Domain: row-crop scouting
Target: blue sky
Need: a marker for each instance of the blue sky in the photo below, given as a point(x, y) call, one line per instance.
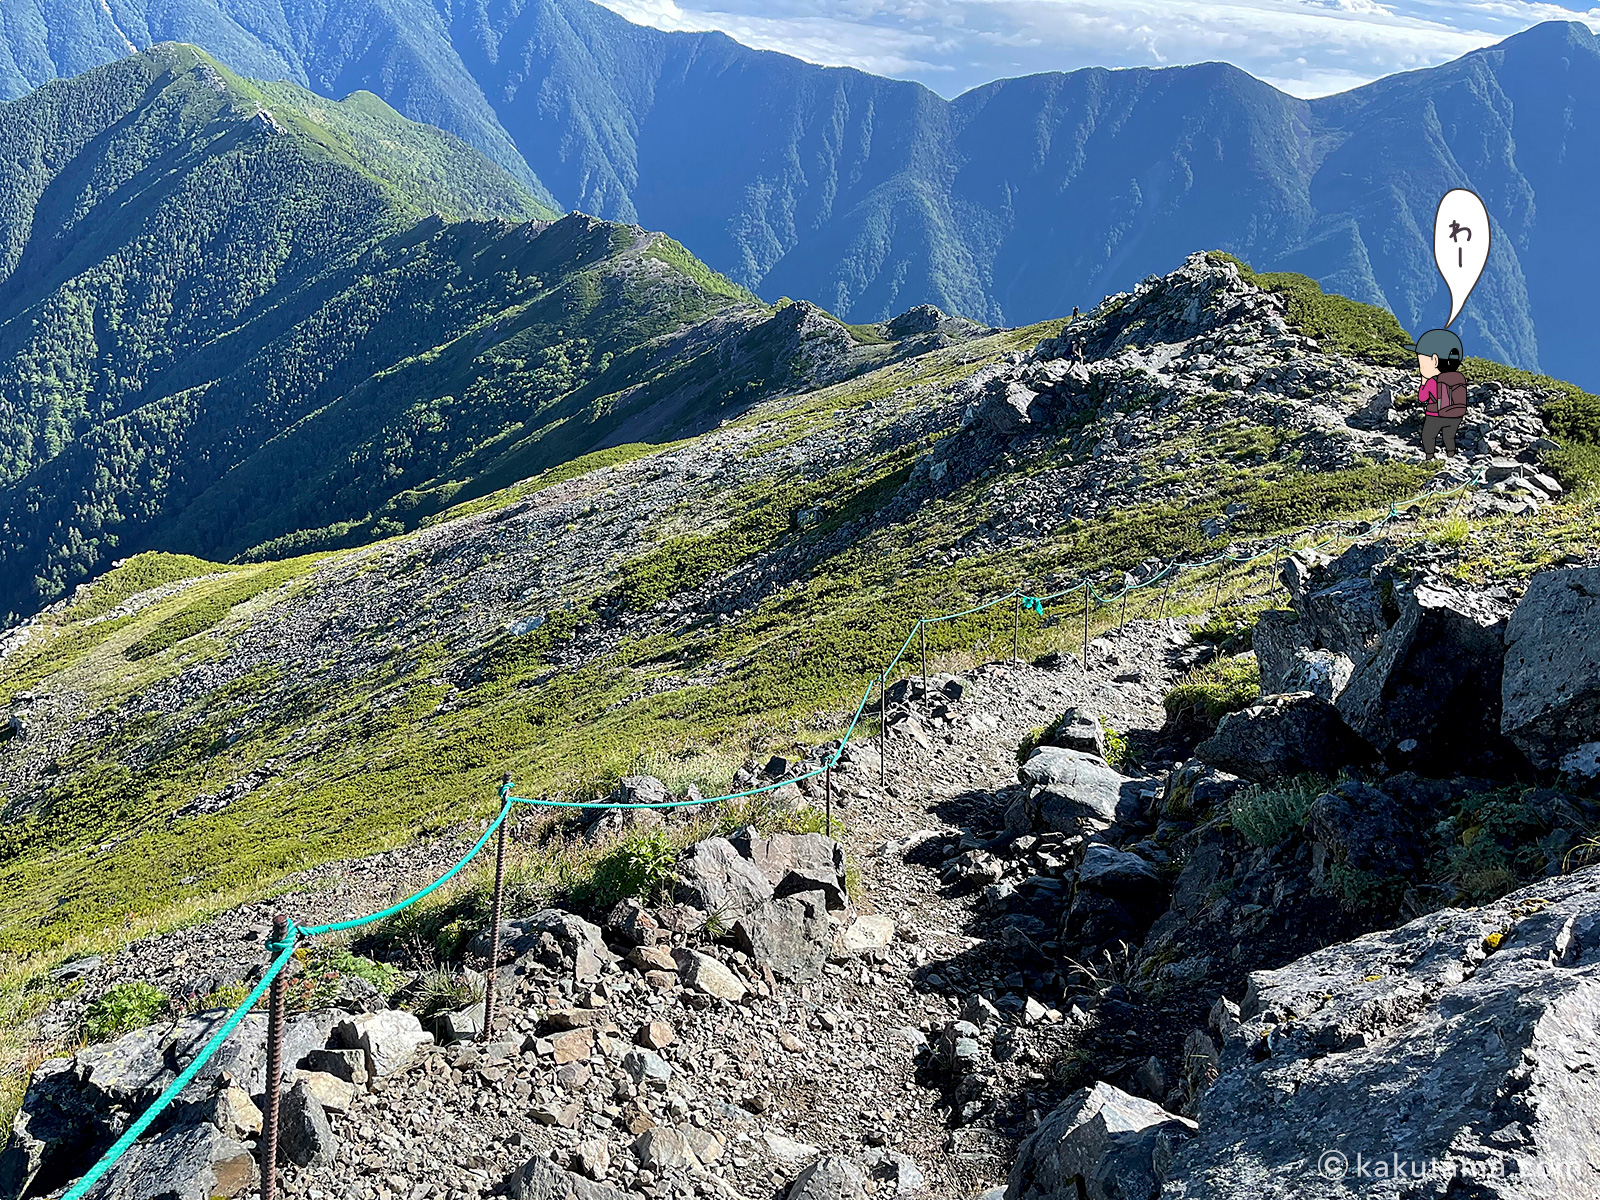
point(1307, 47)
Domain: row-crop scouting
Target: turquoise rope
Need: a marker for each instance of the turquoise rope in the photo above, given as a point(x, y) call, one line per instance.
point(109, 1158)
point(357, 922)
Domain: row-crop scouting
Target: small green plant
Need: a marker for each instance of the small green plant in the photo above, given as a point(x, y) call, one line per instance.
point(441, 990)
point(1211, 691)
point(1453, 531)
point(1116, 746)
point(1363, 891)
point(638, 866)
point(1265, 816)
point(123, 1007)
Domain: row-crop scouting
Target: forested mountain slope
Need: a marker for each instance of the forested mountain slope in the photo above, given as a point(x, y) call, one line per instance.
point(234, 313)
point(1009, 203)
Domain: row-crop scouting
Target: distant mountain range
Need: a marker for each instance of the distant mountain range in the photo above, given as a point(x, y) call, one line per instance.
point(239, 318)
point(1009, 204)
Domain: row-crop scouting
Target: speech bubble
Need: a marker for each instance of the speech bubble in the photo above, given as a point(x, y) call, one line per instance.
point(1460, 244)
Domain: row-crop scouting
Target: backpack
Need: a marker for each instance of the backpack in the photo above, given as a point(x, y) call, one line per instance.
point(1453, 403)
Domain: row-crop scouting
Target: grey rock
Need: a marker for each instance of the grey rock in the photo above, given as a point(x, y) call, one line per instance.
point(1079, 729)
point(897, 1174)
point(706, 975)
point(646, 1067)
point(1430, 699)
point(541, 1179)
point(1282, 736)
point(390, 1039)
point(1323, 673)
point(1460, 1037)
point(1100, 1143)
point(1115, 872)
point(1361, 827)
point(1076, 788)
point(716, 878)
point(1550, 690)
point(831, 1177)
point(190, 1162)
point(797, 862)
point(790, 935)
point(304, 1136)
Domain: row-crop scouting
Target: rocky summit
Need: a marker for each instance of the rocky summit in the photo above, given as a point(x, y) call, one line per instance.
point(1263, 868)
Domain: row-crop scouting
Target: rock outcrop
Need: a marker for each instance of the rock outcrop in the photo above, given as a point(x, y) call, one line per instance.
point(1461, 1044)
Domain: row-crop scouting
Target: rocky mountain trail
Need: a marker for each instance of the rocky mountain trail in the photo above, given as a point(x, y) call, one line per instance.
point(829, 1057)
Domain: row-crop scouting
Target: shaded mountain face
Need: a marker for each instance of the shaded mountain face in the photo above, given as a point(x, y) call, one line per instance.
point(236, 316)
point(1011, 203)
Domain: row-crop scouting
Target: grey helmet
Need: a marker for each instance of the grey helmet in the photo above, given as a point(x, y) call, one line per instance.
point(1441, 342)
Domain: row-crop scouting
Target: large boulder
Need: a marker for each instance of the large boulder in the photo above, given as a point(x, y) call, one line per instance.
point(1071, 790)
point(1098, 1144)
point(831, 1177)
point(1429, 700)
point(790, 935)
point(390, 1039)
point(541, 1179)
point(189, 1162)
point(1550, 690)
point(1282, 736)
point(1464, 1037)
point(716, 878)
point(75, 1107)
point(1364, 829)
point(797, 862)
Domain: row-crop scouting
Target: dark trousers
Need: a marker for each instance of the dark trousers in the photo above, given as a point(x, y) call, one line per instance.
point(1432, 427)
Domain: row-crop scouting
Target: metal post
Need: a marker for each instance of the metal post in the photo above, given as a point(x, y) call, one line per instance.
point(494, 928)
point(1216, 596)
point(269, 1119)
point(1122, 620)
point(1167, 595)
point(827, 803)
point(1085, 626)
point(922, 633)
point(1016, 630)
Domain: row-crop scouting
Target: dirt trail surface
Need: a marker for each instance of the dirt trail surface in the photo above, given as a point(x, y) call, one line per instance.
point(856, 1060)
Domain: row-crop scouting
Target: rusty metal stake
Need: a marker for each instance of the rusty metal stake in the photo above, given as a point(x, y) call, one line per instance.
point(922, 633)
point(1016, 630)
point(827, 803)
point(1122, 620)
point(1216, 597)
point(494, 929)
point(269, 1119)
point(883, 729)
point(1086, 627)
point(1166, 596)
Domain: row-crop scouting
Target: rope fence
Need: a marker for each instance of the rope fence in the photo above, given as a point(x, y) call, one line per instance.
point(287, 935)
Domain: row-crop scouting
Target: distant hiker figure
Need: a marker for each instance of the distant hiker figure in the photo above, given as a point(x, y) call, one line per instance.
point(1443, 394)
point(1074, 312)
point(1077, 352)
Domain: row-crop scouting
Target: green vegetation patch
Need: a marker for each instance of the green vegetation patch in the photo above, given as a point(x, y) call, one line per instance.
point(1339, 323)
point(138, 574)
point(123, 1007)
point(1214, 689)
point(201, 614)
point(1266, 815)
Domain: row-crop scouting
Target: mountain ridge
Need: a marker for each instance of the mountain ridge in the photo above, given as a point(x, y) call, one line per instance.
point(233, 313)
point(1016, 199)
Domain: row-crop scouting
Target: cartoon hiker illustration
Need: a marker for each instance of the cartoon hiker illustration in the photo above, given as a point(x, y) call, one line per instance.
point(1443, 394)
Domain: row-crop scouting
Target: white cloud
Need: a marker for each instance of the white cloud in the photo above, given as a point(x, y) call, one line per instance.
point(1307, 47)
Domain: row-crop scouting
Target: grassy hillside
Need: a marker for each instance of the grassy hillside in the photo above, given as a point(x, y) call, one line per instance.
point(196, 731)
point(236, 317)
